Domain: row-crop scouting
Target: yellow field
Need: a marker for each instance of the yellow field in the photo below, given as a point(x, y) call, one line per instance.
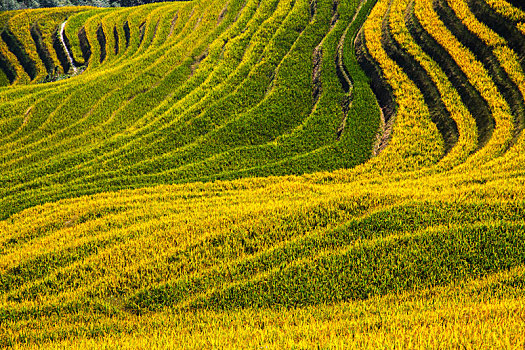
point(215, 174)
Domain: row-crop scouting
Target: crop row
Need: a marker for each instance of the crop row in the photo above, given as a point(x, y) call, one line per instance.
point(106, 108)
point(31, 35)
point(189, 112)
point(505, 9)
point(496, 77)
point(447, 93)
point(252, 242)
point(198, 91)
point(494, 63)
point(205, 143)
point(212, 246)
point(414, 137)
point(427, 318)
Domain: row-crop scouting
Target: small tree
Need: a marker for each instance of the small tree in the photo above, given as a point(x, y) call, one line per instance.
point(7, 5)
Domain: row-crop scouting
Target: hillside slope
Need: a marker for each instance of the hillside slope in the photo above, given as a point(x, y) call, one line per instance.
point(9, 5)
point(181, 92)
point(223, 174)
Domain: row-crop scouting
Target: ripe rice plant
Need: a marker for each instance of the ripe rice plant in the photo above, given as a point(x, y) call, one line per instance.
point(281, 173)
point(477, 75)
point(506, 9)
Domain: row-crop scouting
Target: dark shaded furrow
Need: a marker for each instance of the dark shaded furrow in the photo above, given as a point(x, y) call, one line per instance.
point(415, 72)
point(7, 68)
point(316, 74)
point(342, 72)
point(41, 49)
point(115, 35)
point(346, 84)
point(518, 3)
point(85, 47)
point(127, 33)
point(16, 47)
point(313, 9)
point(61, 53)
point(502, 26)
point(380, 87)
point(335, 14)
point(101, 38)
point(142, 32)
point(470, 97)
point(222, 14)
point(484, 54)
point(173, 22)
point(68, 47)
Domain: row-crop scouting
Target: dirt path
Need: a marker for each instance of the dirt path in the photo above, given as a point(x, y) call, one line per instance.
point(66, 50)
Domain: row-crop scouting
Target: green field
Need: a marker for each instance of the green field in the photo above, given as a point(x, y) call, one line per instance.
point(263, 173)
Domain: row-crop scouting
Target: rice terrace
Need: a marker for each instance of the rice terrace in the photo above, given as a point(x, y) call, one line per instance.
point(253, 174)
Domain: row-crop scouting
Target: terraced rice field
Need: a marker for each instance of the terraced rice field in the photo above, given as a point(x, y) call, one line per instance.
point(252, 173)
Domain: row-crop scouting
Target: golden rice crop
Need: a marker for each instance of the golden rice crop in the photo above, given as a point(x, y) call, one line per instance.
point(197, 187)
